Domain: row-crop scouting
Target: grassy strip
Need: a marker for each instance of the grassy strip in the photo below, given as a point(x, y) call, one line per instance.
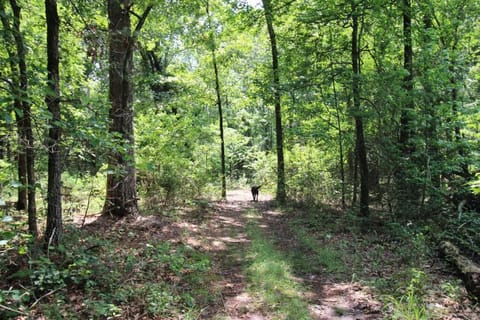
point(271, 279)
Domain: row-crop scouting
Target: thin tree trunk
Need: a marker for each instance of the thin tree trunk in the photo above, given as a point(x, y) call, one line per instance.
point(22, 201)
point(340, 143)
point(464, 172)
point(54, 231)
point(281, 192)
point(220, 116)
point(360, 140)
point(17, 106)
point(27, 121)
point(405, 118)
point(219, 104)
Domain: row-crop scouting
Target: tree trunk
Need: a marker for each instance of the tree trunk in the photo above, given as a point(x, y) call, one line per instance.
point(17, 106)
point(54, 231)
point(220, 109)
point(469, 270)
point(406, 114)
point(406, 188)
point(220, 116)
point(28, 144)
point(340, 142)
point(121, 196)
point(464, 172)
point(360, 140)
point(281, 192)
point(22, 201)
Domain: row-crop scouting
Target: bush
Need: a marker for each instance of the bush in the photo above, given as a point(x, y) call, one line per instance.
point(310, 175)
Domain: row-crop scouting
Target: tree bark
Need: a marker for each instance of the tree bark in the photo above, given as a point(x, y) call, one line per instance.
point(406, 114)
point(340, 141)
point(17, 107)
point(281, 192)
point(54, 231)
point(121, 195)
point(469, 270)
point(360, 140)
point(28, 143)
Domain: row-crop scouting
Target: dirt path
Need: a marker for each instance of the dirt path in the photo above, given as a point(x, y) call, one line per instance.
point(223, 235)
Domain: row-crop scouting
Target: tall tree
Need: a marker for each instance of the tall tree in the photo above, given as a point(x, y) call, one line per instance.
point(281, 193)
point(212, 44)
point(54, 231)
point(26, 127)
point(121, 197)
point(358, 116)
point(406, 186)
point(407, 110)
point(14, 83)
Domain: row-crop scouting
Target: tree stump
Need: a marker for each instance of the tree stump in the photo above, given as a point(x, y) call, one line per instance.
point(469, 270)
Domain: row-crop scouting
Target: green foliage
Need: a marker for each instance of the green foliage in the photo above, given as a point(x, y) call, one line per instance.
point(310, 173)
point(14, 240)
point(463, 231)
point(159, 278)
point(81, 193)
point(410, 304)
point(317, 255)
point(8, 182)
point(475, 185)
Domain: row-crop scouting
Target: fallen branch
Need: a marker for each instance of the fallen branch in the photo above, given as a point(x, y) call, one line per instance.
point(13, 310)
point(44, 296)
point(469, 270)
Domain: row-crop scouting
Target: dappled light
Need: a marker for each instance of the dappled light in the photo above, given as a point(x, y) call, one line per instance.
point(239, 160)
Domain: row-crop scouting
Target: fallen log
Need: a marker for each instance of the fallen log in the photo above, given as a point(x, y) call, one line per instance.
point(469, 270)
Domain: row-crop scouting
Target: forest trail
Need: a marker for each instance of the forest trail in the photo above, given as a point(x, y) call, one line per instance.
point(266, 263)
point(225, 236)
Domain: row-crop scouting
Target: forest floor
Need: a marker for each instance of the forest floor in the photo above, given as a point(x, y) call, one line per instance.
point(236, 259)
point(269, 263)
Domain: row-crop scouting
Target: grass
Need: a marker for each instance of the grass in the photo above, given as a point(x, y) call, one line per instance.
point(271, 279)
point(319, 257)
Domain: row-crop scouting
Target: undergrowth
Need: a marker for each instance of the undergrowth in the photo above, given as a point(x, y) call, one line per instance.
point(392, 257)
point(92, 277)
